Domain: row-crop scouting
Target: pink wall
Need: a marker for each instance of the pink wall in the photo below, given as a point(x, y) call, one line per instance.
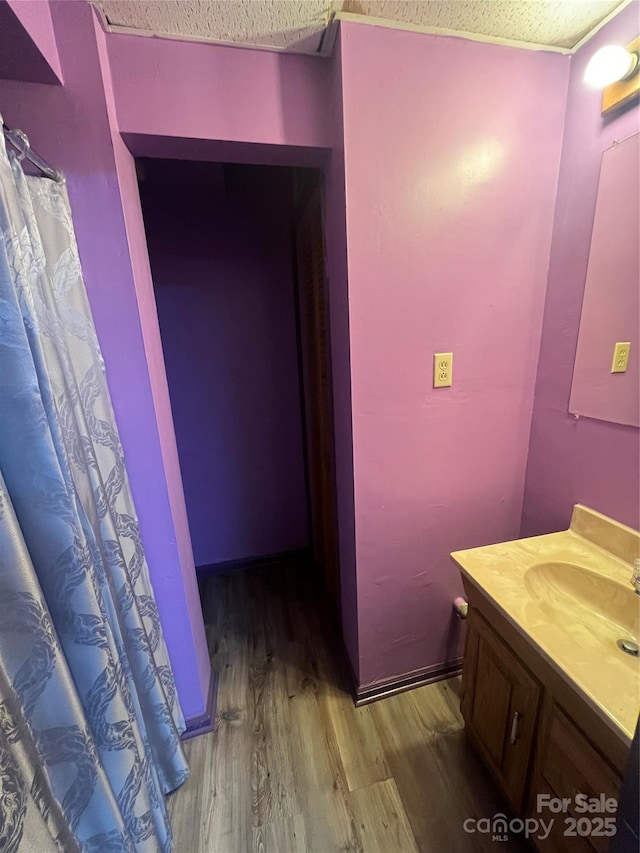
point(222, 265)
point(69, 126)
point(585, 460)
point(35, 17)
point(203, 91)
point(452, 150)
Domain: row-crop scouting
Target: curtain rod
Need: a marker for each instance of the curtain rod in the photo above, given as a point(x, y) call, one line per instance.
point(20, 141)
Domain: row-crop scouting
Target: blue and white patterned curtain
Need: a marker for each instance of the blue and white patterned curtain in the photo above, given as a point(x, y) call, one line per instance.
point(89, 720)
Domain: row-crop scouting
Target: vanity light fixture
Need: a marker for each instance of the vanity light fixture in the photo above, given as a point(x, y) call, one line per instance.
point(616, 70)
point(610, 64)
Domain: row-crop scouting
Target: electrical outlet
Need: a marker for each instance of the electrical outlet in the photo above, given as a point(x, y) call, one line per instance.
point(442, 369)
point(620, 357)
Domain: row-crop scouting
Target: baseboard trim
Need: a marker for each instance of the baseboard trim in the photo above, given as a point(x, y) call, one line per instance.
point(250, 562)
point(204, 723)
point(428, 675)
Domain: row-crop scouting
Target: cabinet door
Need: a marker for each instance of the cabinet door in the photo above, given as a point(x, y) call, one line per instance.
point(500, 706)
point(567, 764)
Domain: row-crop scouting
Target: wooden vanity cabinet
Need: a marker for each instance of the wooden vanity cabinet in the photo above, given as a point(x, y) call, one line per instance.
point(556, 745)
point(500, 703)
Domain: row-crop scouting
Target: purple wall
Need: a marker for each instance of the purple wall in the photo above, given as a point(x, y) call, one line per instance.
point(335, 233)
point(611, 304)
point(452, 150)
point(186, 100)
point(585, 460)
point(449, 193)
point(69, 126)
point(169, 547)
point(221, 260)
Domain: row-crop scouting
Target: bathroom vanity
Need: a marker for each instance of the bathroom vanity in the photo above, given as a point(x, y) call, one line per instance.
point(550, 698)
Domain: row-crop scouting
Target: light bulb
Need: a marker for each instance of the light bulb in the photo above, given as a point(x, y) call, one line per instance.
point(609, 64)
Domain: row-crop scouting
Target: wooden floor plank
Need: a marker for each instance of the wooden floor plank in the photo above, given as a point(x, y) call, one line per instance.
point(433, 813)
point(286, 834)
point(381, 819)
point(226, 797)
point(273, 788)
point(186, 822)
point(359, 745)
point(294, 766)
point(456, 761)
point(320, 782)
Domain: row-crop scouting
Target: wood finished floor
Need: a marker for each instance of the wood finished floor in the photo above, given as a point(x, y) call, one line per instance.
point(294, 766)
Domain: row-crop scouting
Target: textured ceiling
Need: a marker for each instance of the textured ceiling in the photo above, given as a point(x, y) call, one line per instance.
point(299, 25)
point(296, 25)
point(558, 23)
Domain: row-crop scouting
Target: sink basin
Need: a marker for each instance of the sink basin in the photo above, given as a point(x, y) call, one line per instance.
point(570, 595)
point(597, 600)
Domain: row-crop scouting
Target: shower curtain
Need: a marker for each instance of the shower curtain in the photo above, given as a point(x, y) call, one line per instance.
point(89, 721)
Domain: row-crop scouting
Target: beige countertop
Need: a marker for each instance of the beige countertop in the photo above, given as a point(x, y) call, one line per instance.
point(572, 616)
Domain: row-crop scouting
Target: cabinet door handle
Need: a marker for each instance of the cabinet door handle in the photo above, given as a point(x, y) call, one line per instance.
point(514, 727)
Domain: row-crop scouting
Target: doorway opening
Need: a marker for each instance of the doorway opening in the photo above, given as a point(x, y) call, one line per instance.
point(238, 265)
